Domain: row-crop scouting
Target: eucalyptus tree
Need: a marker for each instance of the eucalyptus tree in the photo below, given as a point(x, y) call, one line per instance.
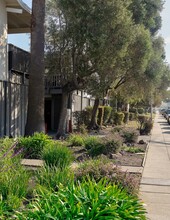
point(83, 37)
point(148, 13)
point(128, 69)
point(35, 115)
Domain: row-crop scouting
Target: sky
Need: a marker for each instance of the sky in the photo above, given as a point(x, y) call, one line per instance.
point(23, 40)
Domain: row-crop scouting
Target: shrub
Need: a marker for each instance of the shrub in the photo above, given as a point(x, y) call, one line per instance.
point(96, 146)
point(103, 168)
point(57, 155)
point(140, 111)
point(86, 200)
point(119, 117)
point(145, 124)
point(126, 118)
point(148, 127)
point(33, 145)
point(100, 115)
point(133, 110)
point(107, 114)
point(132, 116)
point(91, 141)
point(130, 136)
point(75, 140)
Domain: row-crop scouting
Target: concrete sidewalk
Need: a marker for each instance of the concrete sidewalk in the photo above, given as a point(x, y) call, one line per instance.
point(155, 183)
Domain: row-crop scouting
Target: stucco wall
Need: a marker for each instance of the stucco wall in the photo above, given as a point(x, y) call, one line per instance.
point(3, 41)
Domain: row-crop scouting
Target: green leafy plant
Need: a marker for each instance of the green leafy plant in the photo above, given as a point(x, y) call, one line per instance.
point(85, 200)
point(33, 145)
point(91, 142)
point(57, 155)
point(14, 181)
point(52, 177)
point(130, 136)
point(134, 149)
point(76, 140)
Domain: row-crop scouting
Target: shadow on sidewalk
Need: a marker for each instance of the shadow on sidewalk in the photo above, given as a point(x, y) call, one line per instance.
point(166, 128)
point(158, 142)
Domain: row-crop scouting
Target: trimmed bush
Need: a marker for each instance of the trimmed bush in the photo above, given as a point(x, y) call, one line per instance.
point(119, 117)
point(132, 116)
point(126, 118)
point(145, 124)
point(107, 114)
point(141, 111)
point(133, 110)
point(57, 155)
point(33, 145)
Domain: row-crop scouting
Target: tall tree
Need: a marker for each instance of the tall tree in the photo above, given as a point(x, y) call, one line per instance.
point(82, 36)
point(129, 68)
point(147, 12)
point(35, 115)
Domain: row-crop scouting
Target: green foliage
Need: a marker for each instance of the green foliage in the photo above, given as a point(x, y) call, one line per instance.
point(133, 110)
point(75, 140)
point(145, 124)
point(33, 145)
point(14, 181)
point(102, 168)
point(100, 115)
point(130, 136)
point(132, 116)
point(86, 200)
point(53, 177)
point(134, 149)
point(147, 13)
point(107, 114)
point(97, 146)
point(112, 116)
point(119, 117)
point(82, 117)
point(141, 111)
point(57, 155)
point(91, 142)
point(126, 118)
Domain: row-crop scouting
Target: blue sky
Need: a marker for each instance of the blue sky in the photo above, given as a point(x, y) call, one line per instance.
point(23, 40)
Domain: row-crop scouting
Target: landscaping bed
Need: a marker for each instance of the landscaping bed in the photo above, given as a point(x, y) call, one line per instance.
point(57, 181)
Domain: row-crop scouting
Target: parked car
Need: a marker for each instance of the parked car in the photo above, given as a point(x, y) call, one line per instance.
point(167, 114)
point(162, 111)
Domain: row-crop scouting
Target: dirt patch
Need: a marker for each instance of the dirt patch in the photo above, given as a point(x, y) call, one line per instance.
point(131, 154)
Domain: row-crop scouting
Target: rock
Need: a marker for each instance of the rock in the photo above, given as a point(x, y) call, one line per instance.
point(142, 142)
point(114, 156)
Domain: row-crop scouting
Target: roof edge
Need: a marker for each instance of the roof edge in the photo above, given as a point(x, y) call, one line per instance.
point(24, 6)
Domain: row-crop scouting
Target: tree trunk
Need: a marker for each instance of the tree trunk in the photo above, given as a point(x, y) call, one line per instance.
point(93, 123)
point(63, 116)
point(35, 115)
